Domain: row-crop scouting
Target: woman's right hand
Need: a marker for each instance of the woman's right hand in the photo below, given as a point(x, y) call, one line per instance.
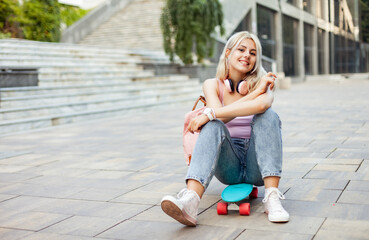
point(196, 123)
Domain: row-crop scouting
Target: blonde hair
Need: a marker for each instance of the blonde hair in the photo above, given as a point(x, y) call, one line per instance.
point(252, 77)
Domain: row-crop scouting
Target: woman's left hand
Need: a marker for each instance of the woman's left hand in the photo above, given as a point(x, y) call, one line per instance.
point(266, 81)
point(196, 123)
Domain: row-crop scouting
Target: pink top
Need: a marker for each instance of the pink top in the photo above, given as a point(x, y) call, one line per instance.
point(239, 127)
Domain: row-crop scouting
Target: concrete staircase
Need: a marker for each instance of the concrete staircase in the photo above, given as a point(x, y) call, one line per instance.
point(78, 83)
point(137, 26)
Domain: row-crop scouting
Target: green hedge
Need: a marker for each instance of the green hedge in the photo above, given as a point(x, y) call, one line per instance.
point(187, 27)
point(10, 18)
point(70, 14)
point(39, 20)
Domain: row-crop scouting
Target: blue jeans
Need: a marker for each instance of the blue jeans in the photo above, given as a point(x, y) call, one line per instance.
point(235, 160)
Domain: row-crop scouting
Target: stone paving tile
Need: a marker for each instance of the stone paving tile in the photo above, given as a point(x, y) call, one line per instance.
point(272, 235)
point(259, 221)
point(309, 184)
point(358, 186)
point(82, 226)
point(34, 221)
point(132, 230)
point(119, 211)
point(29, 159)
point(106, 174)
point(327, 209)
point(140, 197)
point(338, 175)
point(313, 195)
point(38, 190)
point(12, 168)
point(98, 194)
point(4, 197)
point(348, 161)
point(16, 177)
point(336, 167)
point(55, 236)
point(343, 229)
point(358, 197)
point(23, 204)
point(14, 234)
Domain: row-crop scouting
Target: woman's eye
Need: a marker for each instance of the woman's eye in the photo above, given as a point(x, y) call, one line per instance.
point(240, 49)
point(253, 54)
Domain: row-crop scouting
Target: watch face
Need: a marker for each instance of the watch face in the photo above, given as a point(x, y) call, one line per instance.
point(207, 110)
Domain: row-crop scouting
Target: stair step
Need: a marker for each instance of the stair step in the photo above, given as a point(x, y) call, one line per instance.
point(81, 49)
point(106, 87)
point(16, 102)
point(7, 127)
point(73, 107)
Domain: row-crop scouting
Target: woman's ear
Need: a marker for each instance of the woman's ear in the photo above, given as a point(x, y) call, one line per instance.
point(228, 51)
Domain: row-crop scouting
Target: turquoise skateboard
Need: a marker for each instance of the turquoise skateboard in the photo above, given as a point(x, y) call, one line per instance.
point(235, 194)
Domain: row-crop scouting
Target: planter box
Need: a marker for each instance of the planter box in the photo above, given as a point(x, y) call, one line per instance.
point(17, 77)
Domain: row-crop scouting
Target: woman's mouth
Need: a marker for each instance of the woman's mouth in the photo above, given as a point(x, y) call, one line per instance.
point(244, 62)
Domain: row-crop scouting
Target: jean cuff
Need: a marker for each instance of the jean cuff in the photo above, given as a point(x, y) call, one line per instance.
point(272, 174)
point(202, 181)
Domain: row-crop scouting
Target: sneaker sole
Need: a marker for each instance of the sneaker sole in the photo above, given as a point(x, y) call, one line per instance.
point(175, 212)
point(277, 220)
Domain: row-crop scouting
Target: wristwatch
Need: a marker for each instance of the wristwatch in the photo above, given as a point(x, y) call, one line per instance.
point(208, 112)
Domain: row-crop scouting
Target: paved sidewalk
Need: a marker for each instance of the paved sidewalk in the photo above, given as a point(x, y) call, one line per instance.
point(104, 179)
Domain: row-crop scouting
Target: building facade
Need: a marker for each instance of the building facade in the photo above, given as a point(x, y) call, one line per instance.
point(302, 37)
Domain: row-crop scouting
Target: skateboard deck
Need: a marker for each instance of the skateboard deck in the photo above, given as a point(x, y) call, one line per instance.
point(234, 194)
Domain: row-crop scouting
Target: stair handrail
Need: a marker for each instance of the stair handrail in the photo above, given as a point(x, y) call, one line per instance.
point(92, 20)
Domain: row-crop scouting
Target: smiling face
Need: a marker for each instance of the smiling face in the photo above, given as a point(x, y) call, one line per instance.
point(243, 58)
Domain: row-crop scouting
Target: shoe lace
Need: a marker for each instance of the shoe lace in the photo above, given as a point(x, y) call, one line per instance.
point(182, 193)
point(186, 194)
point(274, 196)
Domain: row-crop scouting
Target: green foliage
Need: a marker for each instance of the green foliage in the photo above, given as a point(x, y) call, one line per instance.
point(185, 23)
point(42, 20)
point(10, 16)
point(70, 14)
point(364, 6)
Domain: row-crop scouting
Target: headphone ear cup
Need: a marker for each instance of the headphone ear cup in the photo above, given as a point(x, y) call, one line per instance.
point(242, 87)
point(229, 85)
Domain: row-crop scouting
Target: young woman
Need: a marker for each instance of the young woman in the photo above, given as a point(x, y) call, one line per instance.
point(240, 136)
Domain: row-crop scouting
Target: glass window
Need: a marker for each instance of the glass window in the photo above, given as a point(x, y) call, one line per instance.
point(293, 2)
point(290, 27)
point(321, 50)
point(307, 5)
point(338, 54)
point(308, 48)
point(336, 12)
point(266, 31)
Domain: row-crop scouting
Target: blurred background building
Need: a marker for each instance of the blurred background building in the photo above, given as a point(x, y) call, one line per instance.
point(299, 37)
point(303, 37)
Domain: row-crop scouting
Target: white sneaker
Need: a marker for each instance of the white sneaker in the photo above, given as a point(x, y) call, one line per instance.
point(273, 206)
point(184, 208)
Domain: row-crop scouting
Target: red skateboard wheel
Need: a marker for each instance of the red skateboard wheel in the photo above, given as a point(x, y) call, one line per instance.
point(222, 208)
point(245, 209)
point(254, 193)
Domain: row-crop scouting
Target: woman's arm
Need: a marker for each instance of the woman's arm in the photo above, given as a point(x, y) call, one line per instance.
point(258, 105)
point(245, 108)
point(211, 91)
